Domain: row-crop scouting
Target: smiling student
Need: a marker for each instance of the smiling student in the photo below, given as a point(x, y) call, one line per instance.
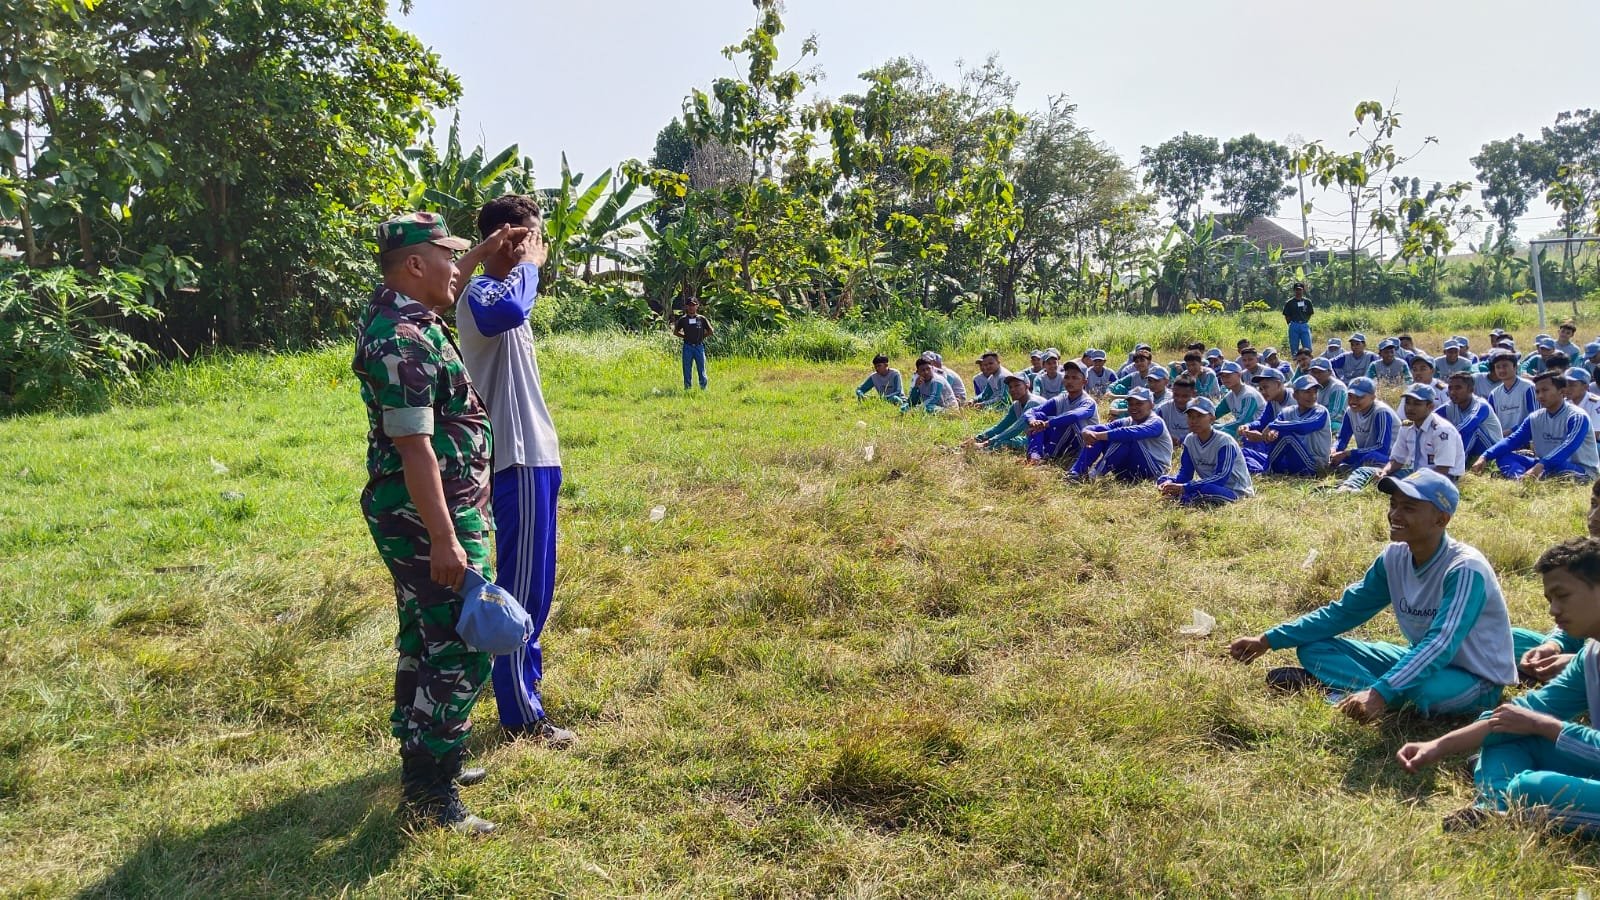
point(1446, 599)
point(1212, 469)
point(1558, 434)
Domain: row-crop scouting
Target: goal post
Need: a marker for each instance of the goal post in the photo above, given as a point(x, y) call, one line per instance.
point(1535, 249)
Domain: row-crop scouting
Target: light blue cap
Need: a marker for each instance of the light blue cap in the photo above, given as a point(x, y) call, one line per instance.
point(1095, 354)
point(1591, 348)
point(1335, 342)
point(1452, 344)
point(1213, 353)
point(1579, 375)
point(1424, 484)
point(1158, 372)
point(1269, 374)
point(1140, 393)
point(1388, 343)
point(1305, 383)
point(1201, 404)
point(1360, 387)
point(1052, 353)
point(1269, 352)
point(1545, 342)
point(1320, 363)
point(1229, 368)
point(1358, 336)
point(1138, 347)
point(1423, 392)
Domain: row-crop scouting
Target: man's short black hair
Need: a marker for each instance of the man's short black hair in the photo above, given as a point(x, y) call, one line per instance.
point(1579, 555)
point(1185, 381)
point(1558, 361)
point(1242, 343)
point(508, 210)
point(1405, 337)
point(1194, 356)
point(1196, 345)
point(1552, 376)
point(880, 358)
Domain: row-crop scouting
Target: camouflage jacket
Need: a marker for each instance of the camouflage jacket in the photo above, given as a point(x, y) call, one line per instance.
point(413, 380)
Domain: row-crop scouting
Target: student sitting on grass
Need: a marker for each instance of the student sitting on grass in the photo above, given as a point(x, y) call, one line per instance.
point(1132, 354)
point(1097, 379)
point(1214, 359)
point(1423, 372)
point(1537, 761)
point(1035, 365)
point(930, 390)
point(1298, 440)
point(1302, 364)
point(1591, 359)
point(951, 377)
point(1241, 404)
point(1054, 427)
point(1136, 377)
point(1471, 415)
point(1564, 342)
point(1212, 469)
point(1133, 448)
point(1274, 399)
point(988, 386)
point(1173, 411)
point(1452, 361)
point(1558, 434)
point(1271, 359)
point(1544, 346)
point(1011, 432)
point(1424, 441)
point(1250, 364)
point(1047, 384)
point(1511, 395)
point(1331, 392)
point(884, 380)
point(1355, 362)
point(1371, 424)
point(1449, 606)
point(1389, 366)
point(1205, 380)
point(1578, 395)
point(1541, 657)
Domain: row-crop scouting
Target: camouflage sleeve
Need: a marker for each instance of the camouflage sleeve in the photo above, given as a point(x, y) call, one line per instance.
point(406, 371)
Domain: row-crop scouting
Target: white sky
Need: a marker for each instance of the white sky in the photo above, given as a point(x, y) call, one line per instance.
point(599, 79)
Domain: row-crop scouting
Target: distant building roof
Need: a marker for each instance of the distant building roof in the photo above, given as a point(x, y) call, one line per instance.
point(1267, 234)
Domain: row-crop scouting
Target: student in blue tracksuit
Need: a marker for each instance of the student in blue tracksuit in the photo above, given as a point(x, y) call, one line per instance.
point(1558, 433)
point(1591, 359)
point(1371, 424)
point(1047, 384)
point(1241, 403)
point(1133, 448)
point(1538, 761)
point(1449, 607)
point(930, 390)
point(1054, 427)
point(1205, 380)
point(1011, 432)
point(1212, 469)
point(988, 386)
point(1355, 362)
point(1097, 379)
point(1331, 392)
point(1389, 366)
point(1511, 395)
point(1135, 376)
point(884, 380)
point(1542, 656)
point(1299, 440)
point(1173, 411)
point(1423, 372)
point(1471, 415)
point(1252, 437)
point(1564, 342)
point(1452, 361)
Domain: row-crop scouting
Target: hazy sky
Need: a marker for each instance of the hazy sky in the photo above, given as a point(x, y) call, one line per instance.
point(599, 79)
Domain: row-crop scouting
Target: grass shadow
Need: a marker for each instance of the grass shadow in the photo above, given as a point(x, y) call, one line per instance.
point(1375, 769)
point(315, 843)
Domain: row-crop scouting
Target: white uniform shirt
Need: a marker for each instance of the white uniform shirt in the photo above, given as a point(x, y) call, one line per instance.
point(1440, 444)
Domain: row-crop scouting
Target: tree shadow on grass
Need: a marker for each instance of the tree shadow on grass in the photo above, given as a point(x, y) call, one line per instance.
point(314, 843)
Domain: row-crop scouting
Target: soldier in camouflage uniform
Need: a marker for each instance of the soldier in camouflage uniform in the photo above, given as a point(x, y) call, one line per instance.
point(427, 500)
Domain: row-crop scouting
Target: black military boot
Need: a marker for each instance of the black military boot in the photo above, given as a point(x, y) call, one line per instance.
point(416, 784)
point(464, 776)
point(445, 804)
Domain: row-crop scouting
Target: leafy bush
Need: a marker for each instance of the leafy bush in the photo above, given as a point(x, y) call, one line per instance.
point(60, 344)
point(817, 340)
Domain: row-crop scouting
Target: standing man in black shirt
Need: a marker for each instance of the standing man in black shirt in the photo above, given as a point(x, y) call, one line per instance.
point(1298, 312)
point(694, 329)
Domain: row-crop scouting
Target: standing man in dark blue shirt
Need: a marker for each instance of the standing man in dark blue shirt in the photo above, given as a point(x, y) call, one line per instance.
point(694, 329)
point(1298, 311)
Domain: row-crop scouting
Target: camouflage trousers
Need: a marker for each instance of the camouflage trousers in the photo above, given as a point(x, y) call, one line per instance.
point(438, 678)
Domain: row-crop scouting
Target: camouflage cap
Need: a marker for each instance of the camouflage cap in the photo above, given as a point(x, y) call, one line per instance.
point(417, 228)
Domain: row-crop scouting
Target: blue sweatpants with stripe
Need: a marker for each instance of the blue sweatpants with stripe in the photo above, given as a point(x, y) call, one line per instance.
point(1059, 440)
point(525, 540)
point(1289, 457)
point(1122, 460)
point(1525, 770)
point(1515, 465)
point(1346, 664)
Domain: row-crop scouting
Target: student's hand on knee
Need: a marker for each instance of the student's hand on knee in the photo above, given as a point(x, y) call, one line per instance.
point(1415, 755)
point(1509, 718)
point(1249, 649)
point(1535, 471)
point(1364, 706)
point(1172, 489)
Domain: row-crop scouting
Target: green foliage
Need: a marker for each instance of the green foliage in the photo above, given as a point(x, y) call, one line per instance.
point(1181, 170)
point(456, 184)
point(60, 340)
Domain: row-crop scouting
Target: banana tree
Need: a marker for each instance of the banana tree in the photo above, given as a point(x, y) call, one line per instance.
point(589, 223)
point(456, 185)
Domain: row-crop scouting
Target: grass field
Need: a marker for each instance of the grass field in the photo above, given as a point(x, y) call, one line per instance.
point(928, 673)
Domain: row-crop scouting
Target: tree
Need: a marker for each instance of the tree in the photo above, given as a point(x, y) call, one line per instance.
point(1252, 175)
point(241, 133)
point(1182, 170)
point(673, 149)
